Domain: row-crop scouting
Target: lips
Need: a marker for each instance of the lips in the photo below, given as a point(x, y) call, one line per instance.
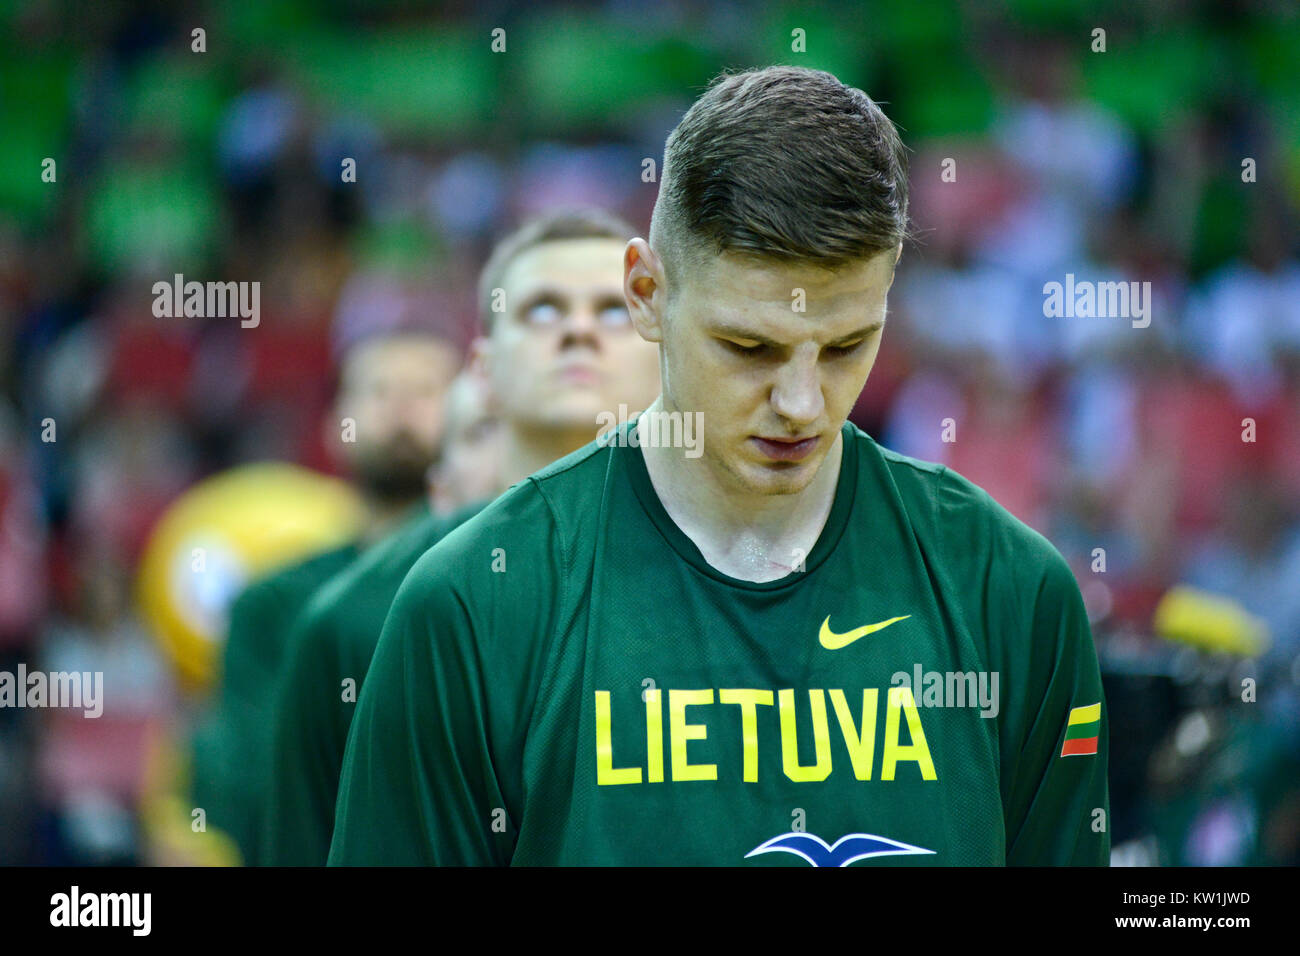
point(786, 449)
point(578, 375)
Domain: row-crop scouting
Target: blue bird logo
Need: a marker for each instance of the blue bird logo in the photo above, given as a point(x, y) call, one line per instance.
point(847, 849)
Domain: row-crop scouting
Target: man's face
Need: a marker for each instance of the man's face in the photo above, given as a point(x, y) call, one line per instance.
point(774, 384)
point(565, 350)
point(469, 468)
point(395, 388)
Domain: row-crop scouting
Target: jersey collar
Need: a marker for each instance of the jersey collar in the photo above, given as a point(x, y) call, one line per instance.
point(631, 461)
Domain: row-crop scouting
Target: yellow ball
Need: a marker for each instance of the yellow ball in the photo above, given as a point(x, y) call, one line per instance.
point(223, 533)
point(1210, 622)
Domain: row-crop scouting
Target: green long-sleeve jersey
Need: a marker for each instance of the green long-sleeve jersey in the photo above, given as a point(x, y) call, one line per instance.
point(325, 666)
point(232, 744)
point(564, 679)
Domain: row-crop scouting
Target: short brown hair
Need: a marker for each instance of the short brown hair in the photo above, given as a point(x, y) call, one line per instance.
point(556, 225)
point(783, 163)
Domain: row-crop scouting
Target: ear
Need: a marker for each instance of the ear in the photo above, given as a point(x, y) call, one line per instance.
point(478, 366)
point(476, 360)
point(645, 289)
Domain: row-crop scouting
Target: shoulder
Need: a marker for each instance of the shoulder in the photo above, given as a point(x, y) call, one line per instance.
point(514, 529)
point(499, 579)
point(362, 591)
point(571, 485)
point(396, 553)
point(962, 522)
point(326, 603)
point(310, 571)
point(512, 534)
point(297, 579)
point(533, 527)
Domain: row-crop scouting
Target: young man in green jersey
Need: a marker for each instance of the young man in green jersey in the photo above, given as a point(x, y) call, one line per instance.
point(392, 386)
point(562, 351)
point(658, 651)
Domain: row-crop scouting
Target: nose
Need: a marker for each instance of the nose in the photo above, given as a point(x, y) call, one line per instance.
point(797, 391)
point(407, 413)
point(580, 325)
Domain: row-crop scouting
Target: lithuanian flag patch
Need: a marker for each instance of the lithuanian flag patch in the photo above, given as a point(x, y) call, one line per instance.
point(1081, 731)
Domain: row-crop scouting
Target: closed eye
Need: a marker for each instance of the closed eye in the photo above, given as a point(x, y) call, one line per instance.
point(756, 349)
point(836, 351)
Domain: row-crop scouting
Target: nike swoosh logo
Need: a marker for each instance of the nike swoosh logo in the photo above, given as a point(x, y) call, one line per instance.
point(833, 642)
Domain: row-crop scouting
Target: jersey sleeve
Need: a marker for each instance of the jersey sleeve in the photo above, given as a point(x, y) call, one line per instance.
point(306, 744)
point(228, 762)
point(433, 769)
point(1057, 808)
point(418, 785)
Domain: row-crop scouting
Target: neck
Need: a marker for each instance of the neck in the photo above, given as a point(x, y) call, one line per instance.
point(530, 448)
point(382, 516)
point(749, 535)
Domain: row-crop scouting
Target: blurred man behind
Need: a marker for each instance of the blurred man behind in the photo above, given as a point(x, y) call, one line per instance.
point(561, 352)
point(387, 424)
point(469, 466)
